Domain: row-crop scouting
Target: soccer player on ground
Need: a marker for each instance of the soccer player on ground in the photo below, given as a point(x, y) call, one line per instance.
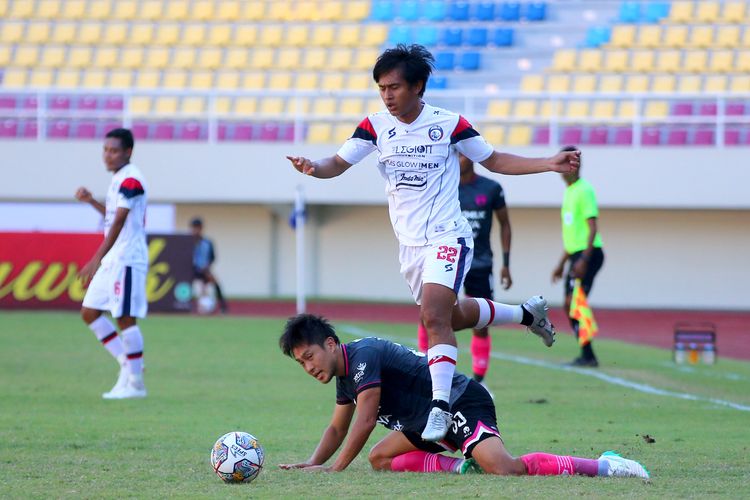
point(582, 248)
point(389, 384)
point(203, 258)
point(418, 148)
point(117, 271)
point(480, 198)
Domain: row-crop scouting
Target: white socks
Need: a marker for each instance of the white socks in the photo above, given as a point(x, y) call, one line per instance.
point(107, 334)
point(133, 342)
point(442, 362)
point(496, 313)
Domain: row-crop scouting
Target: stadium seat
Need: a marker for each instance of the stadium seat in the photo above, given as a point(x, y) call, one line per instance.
point(90, 33)
point(689, 83)
point(193, 35)
point(124, 10)
point(262, 58)
point(64, 33)
point(382, 10)
point(577, 109)
point(603, 110)
point(654, 11)
point(147, 79)
point(361, 81)
point(695, 61)
point(637, 83)
point(348, 35)
point(519, 135)
point(320, 133)
point(68, 78)
point(707, 109)
point(704, 137)
point(280, 80)
point(453, 37)
point(715, 83)
point(178, 10)
point(642, 61)
point(11, 32)
point(58, 129)
point(21, 10)
point(120, 79)
point(740, 83)
point(558, 83)
point(503, 37)
point(649, 36)
point(584, 84)
point(541, 136)
point(151, 10)
point(656, 109)
point(550, 108)
point(630, 12)
point(52, 57)
point(113, 103)
point(437, 82)
point(677, 137)
point(571, 135)
point(668, 61)
point(399, 34)
point(484, 11)
point(733, 12)
point(140, 130)
point(85, 130)
point(477, 37)
point(201, 79)
point(675, 37)
point(524, 108)
point(535, 11)
point(435, 10)
point(596, 36)
point(564, 60)
point(200, 10)
point(458, 10)
point(165, 105)
point(426, 35)
point(26, 56)
point(41, 78)
point(374, 35)
point(510, 11)
point(681, 12)
point(499, 108)
point(708, 11)
point(37, 33)
point(167, 34)
point(48, 9)
point(623, 136)
point(598, 136)
point(174, 79)
point(408, 10)
point(340, 59)
point(244, 132)
point(470, 61)
point(727, 36)
point(191, 131)
point(742, 62)
point(590, 60)
point(616, 61)
point(356, 11)
point(445, 61)
point(59, 102)
point(73, 9)
point(269, 132)
point(701, 37)
point(722, 61)
point(30, 129)
point(650, 136)
point(532, 83)
point(288, 58)
point(610, 83)
point(494, 134)
point(8, 128)
point(164, 131)
point(623, 36)
point(332, 81)
point(682, 109)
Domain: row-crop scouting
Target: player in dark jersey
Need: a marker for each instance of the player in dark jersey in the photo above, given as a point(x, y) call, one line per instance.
point(390, 385)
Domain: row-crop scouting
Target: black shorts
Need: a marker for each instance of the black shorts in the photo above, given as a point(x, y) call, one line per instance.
point(595, 263)
point(474, 421)
point(478, 283)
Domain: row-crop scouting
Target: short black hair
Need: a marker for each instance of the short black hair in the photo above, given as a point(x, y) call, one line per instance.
point(305, 329)
point(125, 136)
point(414, 61)
point(196, 222)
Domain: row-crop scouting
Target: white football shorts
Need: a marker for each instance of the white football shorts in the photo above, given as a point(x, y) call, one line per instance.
point(445, 263)
point(119, 289)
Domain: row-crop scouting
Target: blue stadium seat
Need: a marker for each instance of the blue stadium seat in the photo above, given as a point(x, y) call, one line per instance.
point(504, 37)
point(436, 10)
point(453, 37)
point(535, 11)
point(445, 61)
point(409, 10)
point(470, 61)
point(630, 12)
point(477, 37)
point(596, 36)
point(459, 11)
point(427, 36)
point(437, 82)
point(400, 34)
point(510, 11)
point(656, 11)
point(485, 11)
point(382, 10)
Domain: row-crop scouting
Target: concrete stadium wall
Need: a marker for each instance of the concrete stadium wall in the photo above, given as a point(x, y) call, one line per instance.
point(676, 222)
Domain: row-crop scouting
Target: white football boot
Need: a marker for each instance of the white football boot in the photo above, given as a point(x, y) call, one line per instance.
point(541, 326)
point(122, 379)
point(438, 423)
point(623, 467)
point(133, 388)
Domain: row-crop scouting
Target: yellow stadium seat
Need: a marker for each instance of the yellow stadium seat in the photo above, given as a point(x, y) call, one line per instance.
point(16, 78)
point(26, 56)
point(642, 61)
point(374, 35)
point(742, 62)
point(343, 132)
point(668, 61)
point(331, 10)
point(727, 36)
point(183, 58)
point(255, 80)
point(147, 79)
point(202, 10)
point(320, 133)
point(219, 34)
point(356, 10)
point(11, 32)
point(209, 58)
point(115, 34)
point(48, 9)
point(271, 35)
point(689, 83)
point(152, 10)
point(616, 61)
point(364, 59)
point(494, 134)
point(745, 43)
point(37, 32)
point(623, 36)
point(253, 11)
point(297, 36)
point(21, 9)
point(140, 105)
point(558, 83)
point(245, 106)
point(348, 35)
point(695, 61)
point(675, 36)
point(525, 108)
point(626, 109)
point(194, 34)
point(339, 59)
point(4, 56)
point(708, 12)
point(120, 79)
point(332, 81)
point(359, 81)
point(564, 60)
point(165, 105)
point(499, 108)
point(663, 83)
point(222, 105)
point(740, 83)
point(324, 106)
point(272, 105)
point(715, 83)
point(157, 58)
point(280, 80)
point(193, 105)
point(41, 78)
point(174, 79)
point(64, 33)
point(228, 10)
point(610, 83)
point(532, 83)
point(125, 10)
point(73, 9)
point(52, 57)
point(637, 83)
point(519, 135)
point(94, 79)
point(656, 109)
point(722, 61)
point(227, 80)
point(262, 58)
point(373, 106)
point(701, 36)
point(288, 58)
point(298, 105)
point(131, 57)
point(649, 36)
point(306, 81)
point(550, 108)
point(306, 10)
point(681, 12)
point(314, 58)
point(280, 10)
point(323, 35)
point(352, 106)
point(167, 34)
point(603, 110)
point(584, 83)
point(68, 79)
point(734, 12)
point(590, 60)
point(99, 9)
point(236, 58)
point(106, 57)
point(90, 33)
point(245, 35)
point(577, 109)
point(177, 10)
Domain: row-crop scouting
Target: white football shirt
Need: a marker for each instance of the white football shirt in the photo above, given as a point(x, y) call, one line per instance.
point(128, 190)
point(419, 162)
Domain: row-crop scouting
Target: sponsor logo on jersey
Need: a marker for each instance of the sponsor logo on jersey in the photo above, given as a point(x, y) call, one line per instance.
point(360, 372)
point(435, 133)
point(413, 180)
point(413, 164)
point(404, 149)
point(391, 133)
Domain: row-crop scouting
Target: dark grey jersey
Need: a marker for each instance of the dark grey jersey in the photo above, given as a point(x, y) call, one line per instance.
point(479, 199)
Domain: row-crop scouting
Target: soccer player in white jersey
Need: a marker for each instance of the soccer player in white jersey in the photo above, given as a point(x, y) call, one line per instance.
point(418, 148)
point(116, 274)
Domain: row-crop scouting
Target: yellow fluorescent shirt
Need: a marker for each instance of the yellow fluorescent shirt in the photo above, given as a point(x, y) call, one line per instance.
point(579, 205)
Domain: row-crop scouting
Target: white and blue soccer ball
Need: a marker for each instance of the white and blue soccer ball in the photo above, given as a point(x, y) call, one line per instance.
point(237, 457)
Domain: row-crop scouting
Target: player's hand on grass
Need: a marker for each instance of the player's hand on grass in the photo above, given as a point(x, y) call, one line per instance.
point(566, 161)
point(84, 195)
point(302, 164)
point(301, 465)
point(87, 271)
point(505, 280)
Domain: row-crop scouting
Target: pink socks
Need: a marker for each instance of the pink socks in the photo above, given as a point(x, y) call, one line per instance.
point(421, 461)
point(545, 464)
point(480, 354)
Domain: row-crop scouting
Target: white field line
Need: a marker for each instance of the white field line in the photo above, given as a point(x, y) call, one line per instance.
point(611, 379)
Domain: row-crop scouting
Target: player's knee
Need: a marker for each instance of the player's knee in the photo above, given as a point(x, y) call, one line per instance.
point(379, 461)
point(89, 315)
point(435, 320)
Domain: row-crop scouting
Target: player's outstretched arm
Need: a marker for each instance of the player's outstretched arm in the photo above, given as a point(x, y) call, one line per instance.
point(332, 438)
point(92, 265)
point(84, 195)
point(368, 402)
point(505, 163)
point(322, 169)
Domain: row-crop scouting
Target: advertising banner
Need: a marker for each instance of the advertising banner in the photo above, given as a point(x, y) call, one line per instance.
point(38, 270)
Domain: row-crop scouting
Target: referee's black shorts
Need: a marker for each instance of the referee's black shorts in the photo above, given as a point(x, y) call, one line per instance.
point(595, 263)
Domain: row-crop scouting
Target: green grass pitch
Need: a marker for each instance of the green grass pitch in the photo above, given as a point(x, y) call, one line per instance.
point(208, 376)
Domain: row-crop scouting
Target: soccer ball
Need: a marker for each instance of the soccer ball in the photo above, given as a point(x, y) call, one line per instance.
point(237, 457)
point(206, 304)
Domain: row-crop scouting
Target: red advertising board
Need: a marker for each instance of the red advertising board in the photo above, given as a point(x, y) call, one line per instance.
point(38, 270)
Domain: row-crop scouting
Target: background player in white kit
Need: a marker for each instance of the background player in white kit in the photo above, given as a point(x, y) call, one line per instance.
point(117, 271)
point(418, 148)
